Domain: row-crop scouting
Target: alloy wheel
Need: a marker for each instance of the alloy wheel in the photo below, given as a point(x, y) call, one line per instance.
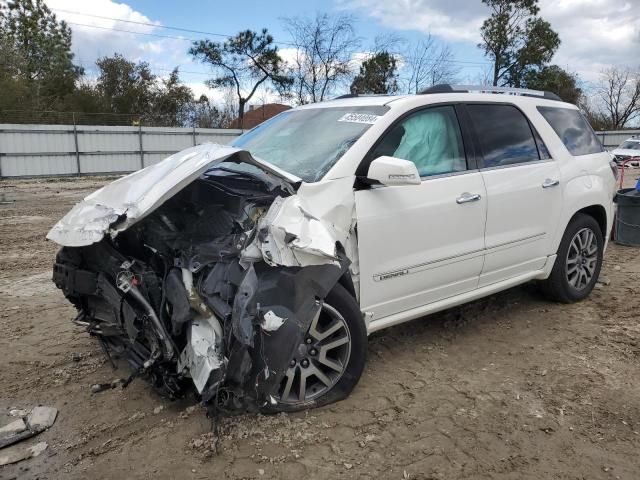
point(582, 259)
point(320, 360)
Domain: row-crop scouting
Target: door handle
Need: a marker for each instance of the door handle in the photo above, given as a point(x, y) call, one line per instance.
point(467, 197)
point(550, 183)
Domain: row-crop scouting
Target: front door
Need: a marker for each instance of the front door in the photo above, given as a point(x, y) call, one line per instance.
point(421, 243)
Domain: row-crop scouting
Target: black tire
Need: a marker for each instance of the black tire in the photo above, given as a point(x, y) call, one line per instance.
point(558, 286)
point(342, 301)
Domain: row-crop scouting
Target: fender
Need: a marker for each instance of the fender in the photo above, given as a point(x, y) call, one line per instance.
point(580, 193)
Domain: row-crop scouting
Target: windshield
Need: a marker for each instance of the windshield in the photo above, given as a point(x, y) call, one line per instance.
point(630, 145)
point(308, 142)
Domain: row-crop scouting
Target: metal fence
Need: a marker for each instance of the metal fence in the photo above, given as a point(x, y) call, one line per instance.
point(611, 139)
point(38, 150)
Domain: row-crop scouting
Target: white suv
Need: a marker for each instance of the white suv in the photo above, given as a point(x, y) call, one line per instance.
point(257, 270)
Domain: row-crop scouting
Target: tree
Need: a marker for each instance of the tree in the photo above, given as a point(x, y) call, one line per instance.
point(324, 48)
point(554, 79)
point(126, 87)
point(428, 64)
point(244, 62)
point(516, 40)
point(619, 96)
point(378, 75)
point(205, 114)
point(31, 33)
point(174, 102)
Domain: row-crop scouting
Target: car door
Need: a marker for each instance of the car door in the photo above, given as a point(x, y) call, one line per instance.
point(523, 191)
point(421, 243)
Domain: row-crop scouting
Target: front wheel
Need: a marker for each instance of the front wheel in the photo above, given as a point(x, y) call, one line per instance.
point(578, 263)
point(331, 358)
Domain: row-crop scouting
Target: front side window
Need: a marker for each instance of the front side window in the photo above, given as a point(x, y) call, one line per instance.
point(504, 135)
point(574, 131)
point(429, 138)
point(308, 142)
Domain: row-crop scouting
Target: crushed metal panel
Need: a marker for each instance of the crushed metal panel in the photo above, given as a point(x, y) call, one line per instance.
point(202, 356)
point(303, 229)
point(117, 206)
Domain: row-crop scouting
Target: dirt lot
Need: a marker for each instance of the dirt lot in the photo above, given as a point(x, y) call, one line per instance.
point(509, 387)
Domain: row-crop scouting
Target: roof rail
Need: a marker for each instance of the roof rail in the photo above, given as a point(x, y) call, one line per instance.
point(356, 95)
point(523, 92)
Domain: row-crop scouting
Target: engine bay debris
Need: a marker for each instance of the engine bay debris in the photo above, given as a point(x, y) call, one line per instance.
point(206, 270)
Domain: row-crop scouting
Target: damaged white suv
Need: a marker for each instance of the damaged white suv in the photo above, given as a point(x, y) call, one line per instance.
point(256, 271)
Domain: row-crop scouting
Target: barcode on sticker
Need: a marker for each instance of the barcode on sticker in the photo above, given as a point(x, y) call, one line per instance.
point(359, 118)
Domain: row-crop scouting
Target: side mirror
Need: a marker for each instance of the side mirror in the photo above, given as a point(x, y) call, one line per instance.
point(393, 171)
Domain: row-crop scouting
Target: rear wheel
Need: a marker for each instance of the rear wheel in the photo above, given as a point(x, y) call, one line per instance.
point(578, 263)
point(330, 361)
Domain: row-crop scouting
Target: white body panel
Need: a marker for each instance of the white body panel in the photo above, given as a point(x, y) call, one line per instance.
point(417, 245)
point(522, 219)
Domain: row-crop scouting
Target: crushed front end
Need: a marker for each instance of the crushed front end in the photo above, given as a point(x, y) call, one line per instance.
point(213, 284)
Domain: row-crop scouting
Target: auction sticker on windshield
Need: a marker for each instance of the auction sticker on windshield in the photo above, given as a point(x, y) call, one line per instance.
point(359, 118)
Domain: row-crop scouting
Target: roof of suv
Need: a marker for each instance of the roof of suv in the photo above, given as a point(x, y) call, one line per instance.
point(439, 97)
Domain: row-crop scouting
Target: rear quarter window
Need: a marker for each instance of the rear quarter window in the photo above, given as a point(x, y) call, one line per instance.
point(572, 128)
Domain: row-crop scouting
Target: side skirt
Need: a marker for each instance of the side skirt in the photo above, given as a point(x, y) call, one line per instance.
point(456, 300)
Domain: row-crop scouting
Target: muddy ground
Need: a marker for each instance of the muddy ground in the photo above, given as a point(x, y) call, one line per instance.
point(509, 387)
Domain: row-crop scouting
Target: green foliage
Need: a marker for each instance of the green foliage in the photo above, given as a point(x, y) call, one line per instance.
point(378, 75)
point(36, 54)
point(554, 79)
point(243, 62)
point(124, 87)
point(517, 40)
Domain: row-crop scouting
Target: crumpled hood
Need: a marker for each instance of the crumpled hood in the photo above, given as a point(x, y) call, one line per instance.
point(117, 206)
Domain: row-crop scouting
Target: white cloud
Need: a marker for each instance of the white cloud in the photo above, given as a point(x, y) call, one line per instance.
point(95, 37)
point(594, 33)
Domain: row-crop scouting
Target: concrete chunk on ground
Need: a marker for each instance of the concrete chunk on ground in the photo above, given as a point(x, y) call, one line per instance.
point(41, 418)
point(13, 428)
point(19, 453)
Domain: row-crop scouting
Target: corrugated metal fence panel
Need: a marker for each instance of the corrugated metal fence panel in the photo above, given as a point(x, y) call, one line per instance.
point(160, 139)
point(32, 150)
point(223, 137)
point(108, 149)
point(36, 150)
point(611, 139)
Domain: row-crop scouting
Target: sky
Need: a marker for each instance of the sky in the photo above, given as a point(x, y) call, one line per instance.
point(595, 34)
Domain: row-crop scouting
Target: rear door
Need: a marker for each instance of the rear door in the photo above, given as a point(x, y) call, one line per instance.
point(523, 192)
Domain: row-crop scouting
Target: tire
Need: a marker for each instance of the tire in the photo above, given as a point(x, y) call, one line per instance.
point(339, 302)
point(566, 284)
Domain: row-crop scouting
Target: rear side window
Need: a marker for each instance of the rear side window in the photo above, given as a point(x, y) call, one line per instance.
point(504, 135)
point(574, 131)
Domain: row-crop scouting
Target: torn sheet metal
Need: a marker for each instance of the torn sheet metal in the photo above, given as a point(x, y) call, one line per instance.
point(203, 354)
point(304, 229)
point(117, 206)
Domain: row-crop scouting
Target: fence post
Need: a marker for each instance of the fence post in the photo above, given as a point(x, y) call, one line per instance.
point(140, 141)
point(75, 140)
point(194, 136)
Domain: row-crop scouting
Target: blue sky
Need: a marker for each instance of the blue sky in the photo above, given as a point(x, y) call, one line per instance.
point(595, 33)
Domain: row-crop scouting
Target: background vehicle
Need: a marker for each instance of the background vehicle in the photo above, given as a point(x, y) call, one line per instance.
point(628, 149)
point(387, 209)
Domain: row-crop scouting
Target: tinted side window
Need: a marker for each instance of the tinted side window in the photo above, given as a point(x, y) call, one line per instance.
point(574, 131)
point(504, 135)
point(429, 138)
